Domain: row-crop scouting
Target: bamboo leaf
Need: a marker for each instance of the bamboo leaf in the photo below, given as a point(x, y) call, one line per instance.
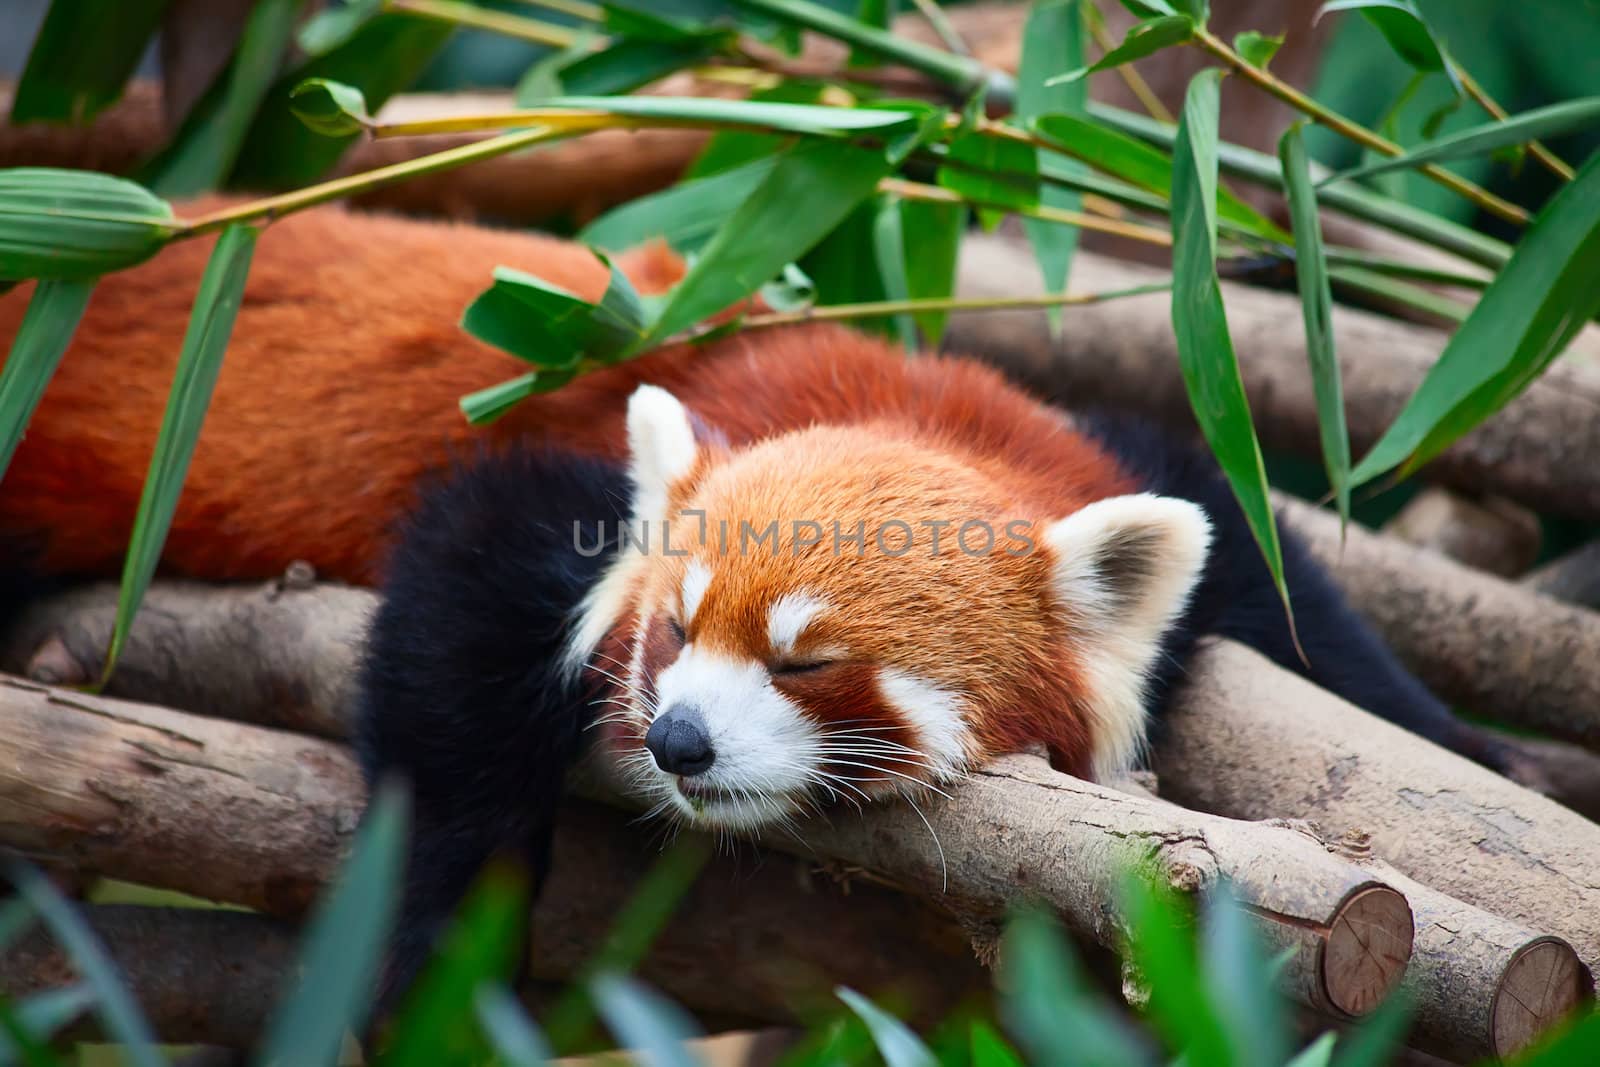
point(992, 170)
point(436, 1024)
point(209, 143)
point(1316, 1054)
point(1257, 49)
point(1161, 945)
point(516, 1040)
point(46, 330)
point(1526, 316)
point(1143, 39)
point(200, 361)
point(1052, 1007)
point(1379, 1036)
point(644, 1021)
point(383, 56)
point(330, 108)
point(82, 58)
point(76, 224)
point(933, 244)
point(1539, 124)
point(808, 119)
point(898, 1046)
point(333, 26)
point(1576, 1045)
point(812, 188)
point(1199, 321)
point(1316, 302)
point(343, 947)
point(1407, 32)
point(1052, 40)
point(989, 1049)
point(552, 328)
point(123, 1020)
point(42, 1014)
point(486, 405)
point(1141, 164)
point(889, 253)
point(685, 216)
point(1237, 976)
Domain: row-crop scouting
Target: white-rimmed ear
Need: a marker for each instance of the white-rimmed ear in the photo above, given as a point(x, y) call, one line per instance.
point(1123, 568)
point(661, 449)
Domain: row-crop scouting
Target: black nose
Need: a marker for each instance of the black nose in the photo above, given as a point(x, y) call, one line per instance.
point(678, 741)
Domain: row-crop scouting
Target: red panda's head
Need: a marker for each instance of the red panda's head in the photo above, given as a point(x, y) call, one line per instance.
point(852, 612)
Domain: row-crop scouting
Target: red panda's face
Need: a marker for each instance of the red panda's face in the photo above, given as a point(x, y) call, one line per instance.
point(835, 614)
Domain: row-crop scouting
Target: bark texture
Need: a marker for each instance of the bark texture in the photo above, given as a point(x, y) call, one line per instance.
point(261, 818)
point(1122, 354)
point(1486, 533)
point(1522, 870)
point(1476, 640)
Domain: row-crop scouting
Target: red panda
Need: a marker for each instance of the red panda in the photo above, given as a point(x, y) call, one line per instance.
point(782, 568)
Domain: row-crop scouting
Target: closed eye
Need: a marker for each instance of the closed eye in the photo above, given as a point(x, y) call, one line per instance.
point(802, 668)
point(675, 628)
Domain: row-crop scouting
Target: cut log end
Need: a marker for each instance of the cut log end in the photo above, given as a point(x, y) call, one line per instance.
point(1368, 947)
point(1544, 983)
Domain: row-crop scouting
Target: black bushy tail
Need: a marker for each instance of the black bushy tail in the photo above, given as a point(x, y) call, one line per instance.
point(461, 694)
point(1236, 598)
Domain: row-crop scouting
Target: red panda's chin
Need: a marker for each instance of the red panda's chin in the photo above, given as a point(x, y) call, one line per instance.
point(725, 810)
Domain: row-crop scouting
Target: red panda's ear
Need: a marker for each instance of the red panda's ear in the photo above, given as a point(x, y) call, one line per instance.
point(1123, 569)
point(661, 447)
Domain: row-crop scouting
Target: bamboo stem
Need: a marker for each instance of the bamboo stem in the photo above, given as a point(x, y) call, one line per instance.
point(936, 18)
point(462, 14)
point(1275, 86)
point(884, 308)
point(1095, 19)
point(576, 8)
point(938, 194)
point(269, 208)
point(1548, 159)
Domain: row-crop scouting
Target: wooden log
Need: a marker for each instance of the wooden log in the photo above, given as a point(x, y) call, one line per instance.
point(1489, 534)
point(1514, 889)
point(1121, 354)
point(250, 815)
point(1476, 640)
point(1573, 578)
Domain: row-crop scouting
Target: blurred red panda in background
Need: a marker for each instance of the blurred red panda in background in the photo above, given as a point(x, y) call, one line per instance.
point(783, 568)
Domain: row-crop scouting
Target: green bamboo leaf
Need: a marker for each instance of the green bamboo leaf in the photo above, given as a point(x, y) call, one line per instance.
point(1316, 1054)
point(889, 253)
point(516, 1040)
point(1161, 945)
point(685, 216)
point(124, 1022)
point(992, 170)
point(1527, 315)
point(1539, 124)
point(41, 1015)
point(486, 405)
point(989, 1049)
point(82, 58)
point(383, 56)
point(812, 188)
point(552, 328)
point(1237, 976)
point(207, 146)
point(879, 14)
point(898, 1046)
point(644, 1021)
point(1199, 10)
point(329, 107)
point(329, 992)
point(199, 362)
point(808, 119)
point(436, 1023)
point(1142, 165)
point(1149, 9)
point(1577, 1045)
point(1374, 1042)
point(1402, 25)
point(1051, 1006)
point(933, 244)
point(1200, 323)
point(1052, 40)
point(1316, 302)
point(46, 330)
point(76, 224)
point(728, 149)
point(333, 26)
point(1257, 49)
point(1143, 39)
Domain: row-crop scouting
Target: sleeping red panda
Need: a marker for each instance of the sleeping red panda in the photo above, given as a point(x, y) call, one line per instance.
point(784, 568)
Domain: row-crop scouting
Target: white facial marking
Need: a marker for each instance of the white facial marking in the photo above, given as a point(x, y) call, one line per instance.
point(695, 580)
point(935, 714)
point(1125, 567)
point(763, 743)
point(788, 618)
